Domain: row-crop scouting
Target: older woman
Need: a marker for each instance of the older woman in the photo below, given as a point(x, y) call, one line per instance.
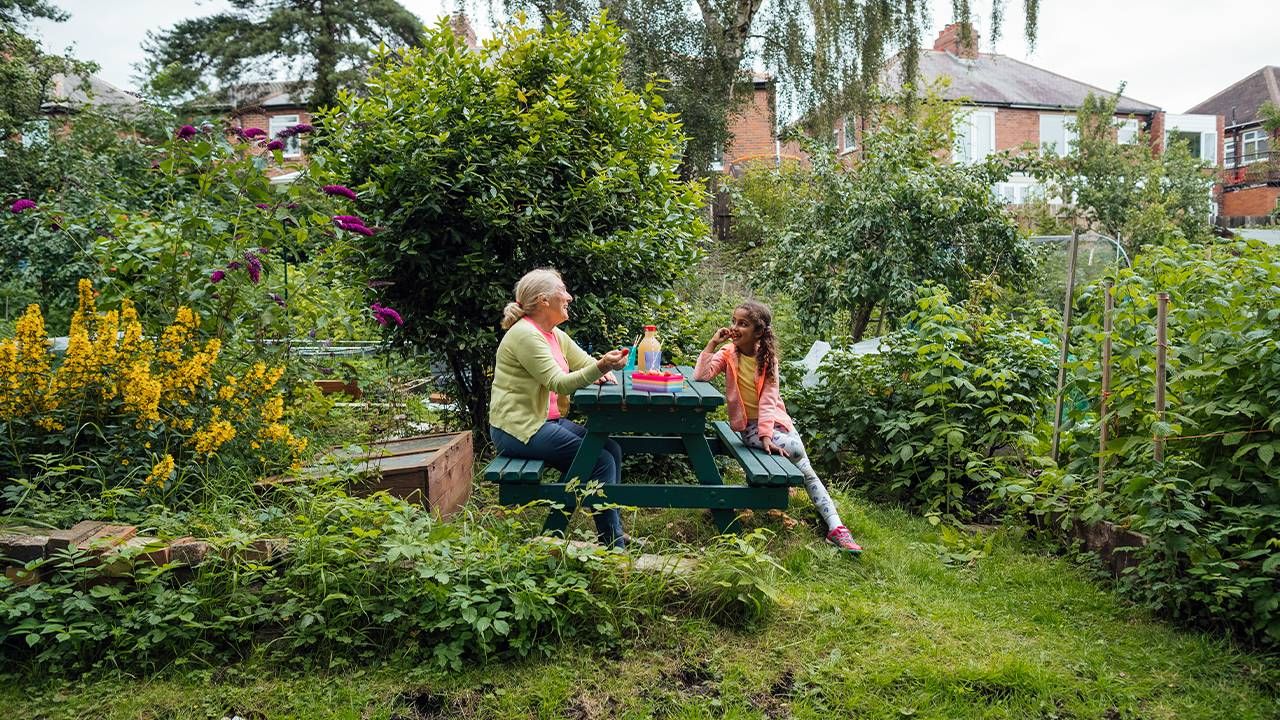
point(538, 368)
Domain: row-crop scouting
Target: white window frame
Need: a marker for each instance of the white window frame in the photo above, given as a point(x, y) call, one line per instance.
point(292, 145)
point(1209, 148)
point(1060, 146)
point(849, 136)
point(1258, 139)
point(968, 135)
point(1127, 133)
point(1229, 152)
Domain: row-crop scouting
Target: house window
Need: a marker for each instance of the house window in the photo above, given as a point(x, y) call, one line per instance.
point(850, 134)
point(975, 132)
point(1127, 133)
point(293, 145)
point(1229, 153)
point(1253, 146)
point(1057, 133)
point(1203, 145)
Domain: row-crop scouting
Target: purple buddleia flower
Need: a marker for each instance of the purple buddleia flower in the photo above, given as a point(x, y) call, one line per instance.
point(253, 266)
point(21, 204)
point(275, 145)
point(302, 128)
point(233, 265)
point(216, 276)
point(342, 190)
point(348, 219)
point(253, 132)
point(286, 133)
point(186, 131)
point(278, 300)
point(262, 206)
point(383, 315)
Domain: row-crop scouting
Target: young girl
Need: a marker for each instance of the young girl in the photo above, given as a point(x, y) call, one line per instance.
point(755, 408)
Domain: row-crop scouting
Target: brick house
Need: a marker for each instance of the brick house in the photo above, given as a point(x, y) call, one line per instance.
point(270, 106)
point(1011, 104)
point(1251, 164)
point(67, 95)
point(274, 106)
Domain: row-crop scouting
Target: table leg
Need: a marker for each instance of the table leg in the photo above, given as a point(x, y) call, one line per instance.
point(704, 468)
point(583, 463)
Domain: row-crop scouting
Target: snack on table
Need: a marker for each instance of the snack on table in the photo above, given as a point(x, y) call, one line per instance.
point(663, 382)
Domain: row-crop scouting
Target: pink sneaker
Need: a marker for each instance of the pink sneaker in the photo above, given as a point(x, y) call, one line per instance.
point(841, 538)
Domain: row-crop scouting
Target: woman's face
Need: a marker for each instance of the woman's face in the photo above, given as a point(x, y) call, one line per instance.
point(744, 331)
point(558, 305)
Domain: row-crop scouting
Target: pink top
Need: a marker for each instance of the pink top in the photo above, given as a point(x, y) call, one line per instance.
point(772, 411)
point(553, 406)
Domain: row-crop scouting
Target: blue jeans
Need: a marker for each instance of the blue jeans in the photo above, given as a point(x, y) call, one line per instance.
point(556, 443)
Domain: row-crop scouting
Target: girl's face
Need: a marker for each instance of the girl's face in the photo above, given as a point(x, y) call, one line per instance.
point(744, 331)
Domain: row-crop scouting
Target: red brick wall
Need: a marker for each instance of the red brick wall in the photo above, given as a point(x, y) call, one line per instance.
point(753, 129)
point(1015, 127)
point(1252, 201)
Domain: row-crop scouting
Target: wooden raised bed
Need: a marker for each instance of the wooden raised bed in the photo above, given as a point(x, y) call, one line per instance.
point(434, 470)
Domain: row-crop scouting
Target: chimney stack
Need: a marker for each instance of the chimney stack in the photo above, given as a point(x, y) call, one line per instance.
point(952, 39)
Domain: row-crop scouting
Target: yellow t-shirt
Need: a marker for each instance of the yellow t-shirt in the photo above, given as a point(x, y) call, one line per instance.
point(747, 386)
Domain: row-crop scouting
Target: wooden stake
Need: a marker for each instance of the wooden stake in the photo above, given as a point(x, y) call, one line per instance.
point(1066, 339)
point(1108, 307)
point(1162, 344)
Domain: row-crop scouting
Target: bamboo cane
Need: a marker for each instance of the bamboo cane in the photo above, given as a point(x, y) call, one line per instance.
point(1066, 339)
point(1108, 307)
point(1162, 343)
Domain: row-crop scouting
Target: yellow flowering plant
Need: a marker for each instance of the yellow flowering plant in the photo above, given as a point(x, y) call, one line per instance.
point(146, 410)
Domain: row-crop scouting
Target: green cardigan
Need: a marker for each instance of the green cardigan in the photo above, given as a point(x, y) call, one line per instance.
point(526, 371)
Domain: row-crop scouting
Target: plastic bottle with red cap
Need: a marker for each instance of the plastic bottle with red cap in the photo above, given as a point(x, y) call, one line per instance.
point(650, 350)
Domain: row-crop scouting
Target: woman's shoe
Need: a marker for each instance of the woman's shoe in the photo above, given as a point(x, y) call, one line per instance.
point(841, 538)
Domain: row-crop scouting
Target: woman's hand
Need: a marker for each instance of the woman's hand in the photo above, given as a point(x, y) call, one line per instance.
point(613, 360)
point(607, 379)
point(772, 449)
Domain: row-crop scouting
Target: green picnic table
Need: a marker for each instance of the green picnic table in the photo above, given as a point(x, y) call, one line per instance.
point(660, 424)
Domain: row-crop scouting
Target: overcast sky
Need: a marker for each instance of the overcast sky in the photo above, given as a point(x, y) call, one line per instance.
point(1171, 53)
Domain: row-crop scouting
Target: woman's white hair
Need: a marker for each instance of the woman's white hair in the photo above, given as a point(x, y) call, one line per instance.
point(535, 285)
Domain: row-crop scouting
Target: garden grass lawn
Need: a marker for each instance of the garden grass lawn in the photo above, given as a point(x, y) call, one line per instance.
point(895, 633)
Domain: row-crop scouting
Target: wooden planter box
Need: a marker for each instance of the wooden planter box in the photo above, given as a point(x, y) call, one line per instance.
point(434, 470)
point(329, 387)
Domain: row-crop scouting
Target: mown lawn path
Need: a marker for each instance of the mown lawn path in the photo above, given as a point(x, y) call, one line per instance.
point(894, 634)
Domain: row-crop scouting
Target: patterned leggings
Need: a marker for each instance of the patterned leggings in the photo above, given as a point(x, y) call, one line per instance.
point(790, 441)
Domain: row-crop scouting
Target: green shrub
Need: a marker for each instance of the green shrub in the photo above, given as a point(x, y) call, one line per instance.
point(1212, 507)
point(945, 417)
point(529, 152)
point(860, 239)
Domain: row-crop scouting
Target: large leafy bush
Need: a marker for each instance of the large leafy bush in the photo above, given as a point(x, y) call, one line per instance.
point(529, 152)
point(944, 418)
point(1212, 508)
point(861, 238)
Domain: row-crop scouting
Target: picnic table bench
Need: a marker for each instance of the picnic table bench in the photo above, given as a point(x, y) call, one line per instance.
point(661, 424)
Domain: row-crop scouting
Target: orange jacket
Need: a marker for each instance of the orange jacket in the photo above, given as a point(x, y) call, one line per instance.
point(772, 411)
